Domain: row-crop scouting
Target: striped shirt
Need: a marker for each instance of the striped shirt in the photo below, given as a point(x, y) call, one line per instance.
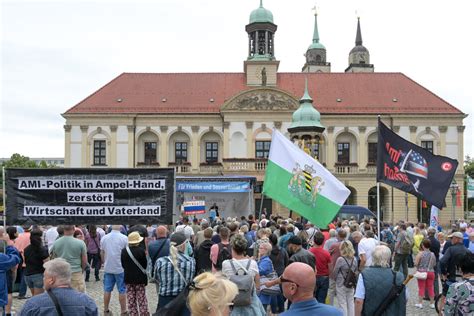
point(169, 280)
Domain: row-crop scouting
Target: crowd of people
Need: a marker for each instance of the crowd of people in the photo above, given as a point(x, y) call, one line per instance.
point(244, 266)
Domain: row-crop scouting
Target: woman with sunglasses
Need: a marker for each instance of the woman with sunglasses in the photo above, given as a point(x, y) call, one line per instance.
point(211, 295)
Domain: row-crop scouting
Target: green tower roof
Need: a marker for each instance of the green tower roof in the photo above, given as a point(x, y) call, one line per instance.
point(306, 117)
point(316, 43)
point(261, 15)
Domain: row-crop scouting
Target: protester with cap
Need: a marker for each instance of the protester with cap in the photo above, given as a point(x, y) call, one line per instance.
point(134, 262)
point(299, 254)
point(452, 257)
point(175, 271)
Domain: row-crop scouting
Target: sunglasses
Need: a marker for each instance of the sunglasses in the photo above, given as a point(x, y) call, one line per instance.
point(283, 280)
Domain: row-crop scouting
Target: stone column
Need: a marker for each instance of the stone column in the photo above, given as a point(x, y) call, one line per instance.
point(362, 150)
point(250, 142)
point(460, 147)
point(67, 146)
point(266, 42)
point(164, 144)
point(84, 147)
point(413, 134)
point(131, 146)
point(195, 148)
point(442, 136)
point(330, 149)
point(113, 146)
point(226, 140)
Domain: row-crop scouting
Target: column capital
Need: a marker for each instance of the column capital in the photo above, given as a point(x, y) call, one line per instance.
point(113, 128)
point(130, 128)
point(461, 128)
point(277, 124)
point(163, 129)
point(362, 129)
point(67, 128)
point(84, 128)
point(413, 129)
point(443, 129)
point(330, 129)
point(226, 124)
point(248, 124)
point(396, 128)
point(195, 128)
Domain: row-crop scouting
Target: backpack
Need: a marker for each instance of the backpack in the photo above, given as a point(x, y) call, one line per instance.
point(350, 280)
point(387, 237)
point(244, 283)
point(406, 244)
point(224, 253)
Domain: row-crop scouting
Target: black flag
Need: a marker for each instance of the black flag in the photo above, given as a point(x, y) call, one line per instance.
point(413, 169)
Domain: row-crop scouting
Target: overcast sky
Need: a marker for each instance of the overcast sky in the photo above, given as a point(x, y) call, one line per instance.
point(56, 53)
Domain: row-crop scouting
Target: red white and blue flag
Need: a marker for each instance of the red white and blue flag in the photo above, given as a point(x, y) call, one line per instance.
point(413, 169)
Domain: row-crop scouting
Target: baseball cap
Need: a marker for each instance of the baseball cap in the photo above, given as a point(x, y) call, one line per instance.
point(457, 235)
point(178, 238)
point(295, 240)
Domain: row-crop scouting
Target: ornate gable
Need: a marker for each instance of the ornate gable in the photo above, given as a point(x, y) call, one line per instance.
point(261, 99)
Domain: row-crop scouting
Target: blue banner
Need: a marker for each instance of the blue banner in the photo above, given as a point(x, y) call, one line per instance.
point(222, 187)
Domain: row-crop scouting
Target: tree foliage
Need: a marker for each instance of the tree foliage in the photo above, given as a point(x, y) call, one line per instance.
point(469, 166)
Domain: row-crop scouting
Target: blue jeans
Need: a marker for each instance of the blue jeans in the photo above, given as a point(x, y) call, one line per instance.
point(114, 279)
point(94, 261)
point(322, 287)
point(277, 303)
point(23, 287)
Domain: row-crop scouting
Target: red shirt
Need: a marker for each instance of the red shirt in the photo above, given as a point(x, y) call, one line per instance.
point(323, 258)
point(326, 237)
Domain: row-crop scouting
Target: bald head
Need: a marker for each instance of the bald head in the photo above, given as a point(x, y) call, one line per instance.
point(298, 282)
point(161, 231)
point(302, 274)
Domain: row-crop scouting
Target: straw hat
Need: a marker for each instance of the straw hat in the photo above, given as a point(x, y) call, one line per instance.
point(134, 238)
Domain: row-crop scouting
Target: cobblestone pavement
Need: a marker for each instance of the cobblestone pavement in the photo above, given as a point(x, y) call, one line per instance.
point(95, 290)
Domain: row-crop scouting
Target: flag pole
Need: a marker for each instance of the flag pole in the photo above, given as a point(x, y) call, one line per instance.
point(4, 198)
point(261, 205)
point(378, 209)
point(406, 205)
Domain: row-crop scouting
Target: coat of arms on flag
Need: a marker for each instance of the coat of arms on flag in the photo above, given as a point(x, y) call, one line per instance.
point(304, 184)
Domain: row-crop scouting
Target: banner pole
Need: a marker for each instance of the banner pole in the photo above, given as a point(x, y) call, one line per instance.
point(4, 198)
point(378, 209)
point(406, 205)
point(261, 205)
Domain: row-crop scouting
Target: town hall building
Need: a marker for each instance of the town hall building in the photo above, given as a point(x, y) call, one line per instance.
point(220, 124)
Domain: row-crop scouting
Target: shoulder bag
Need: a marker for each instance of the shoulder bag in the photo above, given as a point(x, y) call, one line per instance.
point(273, 290)
point(176, 306)
point(56, 302)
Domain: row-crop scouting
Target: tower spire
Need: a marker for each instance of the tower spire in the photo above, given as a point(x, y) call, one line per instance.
point(359, 33)
point(261, 3)
point(315, 33)
point(306, 97)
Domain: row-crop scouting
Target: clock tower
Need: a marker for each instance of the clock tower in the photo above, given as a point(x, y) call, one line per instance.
point(261, 66)
point(359, 57)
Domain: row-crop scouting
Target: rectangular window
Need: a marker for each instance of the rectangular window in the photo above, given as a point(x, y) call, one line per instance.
point(372, 153)
point(428, 145)
point(316, 151)
point(181, 152)
point(150, 153)
point(262, 149)
point(99, 153)
point(212, 152)
point(343, 153)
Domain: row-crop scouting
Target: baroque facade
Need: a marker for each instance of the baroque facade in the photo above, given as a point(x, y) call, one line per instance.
point(207, 124)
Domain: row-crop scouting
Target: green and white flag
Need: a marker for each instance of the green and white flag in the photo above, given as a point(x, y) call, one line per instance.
point(300, 183)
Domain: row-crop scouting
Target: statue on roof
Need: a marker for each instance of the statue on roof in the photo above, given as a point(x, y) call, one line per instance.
point(264, 76)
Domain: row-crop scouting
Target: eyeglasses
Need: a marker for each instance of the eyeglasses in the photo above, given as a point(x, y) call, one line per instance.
point(283, 280)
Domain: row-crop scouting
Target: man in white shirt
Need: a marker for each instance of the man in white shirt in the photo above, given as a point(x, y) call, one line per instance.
point(110, 251)
point(186, 229)
point(51, 235)
point(366, 247)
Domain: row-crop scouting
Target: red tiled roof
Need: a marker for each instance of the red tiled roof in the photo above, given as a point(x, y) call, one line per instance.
point(359, 93)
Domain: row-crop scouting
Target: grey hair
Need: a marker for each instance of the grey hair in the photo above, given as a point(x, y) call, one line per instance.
point(381, 256)
point(332, 232)
point(356, 234)
point(267, 246)
point(60, 269)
